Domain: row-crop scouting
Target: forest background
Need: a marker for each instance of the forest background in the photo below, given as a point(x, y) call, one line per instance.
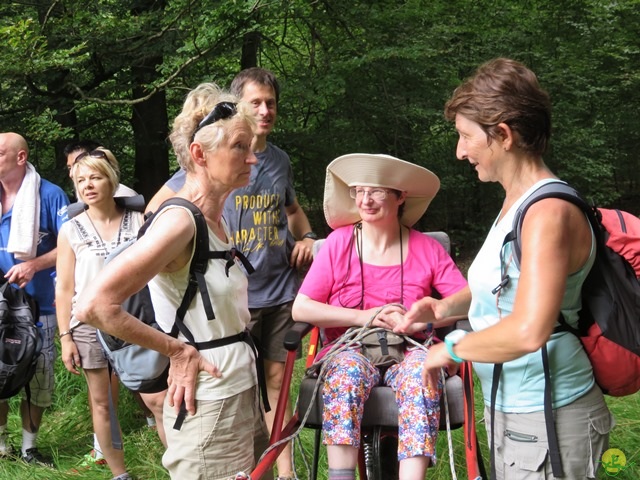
point(356, 76)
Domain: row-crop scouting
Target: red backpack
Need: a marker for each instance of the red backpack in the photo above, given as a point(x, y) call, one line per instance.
point(609, 325)
point(612, 339)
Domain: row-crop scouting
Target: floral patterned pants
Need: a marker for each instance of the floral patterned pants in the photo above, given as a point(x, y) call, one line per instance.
point(348, 382)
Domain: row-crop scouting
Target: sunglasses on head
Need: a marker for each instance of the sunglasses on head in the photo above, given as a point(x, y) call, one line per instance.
point(93, 153)
point(221, 111)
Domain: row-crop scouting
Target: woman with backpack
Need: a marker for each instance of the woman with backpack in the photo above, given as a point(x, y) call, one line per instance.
point(212, 139)
point(84, 243)
point(503, 119)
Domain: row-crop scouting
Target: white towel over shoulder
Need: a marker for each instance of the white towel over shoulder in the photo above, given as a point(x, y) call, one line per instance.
point(25, 217)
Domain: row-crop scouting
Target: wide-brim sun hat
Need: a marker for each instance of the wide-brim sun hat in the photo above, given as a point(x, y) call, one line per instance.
point(376, 170)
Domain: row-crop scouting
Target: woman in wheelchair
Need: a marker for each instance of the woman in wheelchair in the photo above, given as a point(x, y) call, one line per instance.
point(370, 269)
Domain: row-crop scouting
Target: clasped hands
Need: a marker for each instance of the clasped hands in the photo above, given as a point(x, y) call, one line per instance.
point(426, 311)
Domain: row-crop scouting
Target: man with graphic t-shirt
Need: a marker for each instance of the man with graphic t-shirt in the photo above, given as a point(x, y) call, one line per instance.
point(271, 229)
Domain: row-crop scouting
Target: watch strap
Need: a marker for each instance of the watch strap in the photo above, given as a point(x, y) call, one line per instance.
point(449, 343)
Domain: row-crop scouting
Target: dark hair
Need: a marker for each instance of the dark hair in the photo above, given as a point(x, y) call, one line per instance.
point(85, 145)
point(505, 91)
point(258, 75)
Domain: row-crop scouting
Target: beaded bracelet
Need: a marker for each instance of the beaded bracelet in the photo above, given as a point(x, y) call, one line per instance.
point(62, 334)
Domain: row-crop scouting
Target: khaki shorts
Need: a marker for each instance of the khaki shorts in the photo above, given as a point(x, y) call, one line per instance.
point(269, 326)
point(217, 442)
point(583, 436)
point(42, 383)
point(89, 348)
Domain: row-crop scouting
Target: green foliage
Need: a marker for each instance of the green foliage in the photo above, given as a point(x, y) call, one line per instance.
point(355, 76)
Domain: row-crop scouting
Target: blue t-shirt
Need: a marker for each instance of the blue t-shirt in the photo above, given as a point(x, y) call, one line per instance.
point(257, 219)
point(177, 180)
point(53, 213)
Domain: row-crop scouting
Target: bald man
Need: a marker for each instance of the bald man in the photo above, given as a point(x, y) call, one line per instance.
point(33, 273)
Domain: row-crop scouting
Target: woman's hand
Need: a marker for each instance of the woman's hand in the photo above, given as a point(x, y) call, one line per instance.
point(387, 317)
point(424, 311)
point(70, 354)
point(438, 358)
point(185, 366)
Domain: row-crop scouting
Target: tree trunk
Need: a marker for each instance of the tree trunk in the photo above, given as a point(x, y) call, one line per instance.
point(150, 132)
point(250, 46)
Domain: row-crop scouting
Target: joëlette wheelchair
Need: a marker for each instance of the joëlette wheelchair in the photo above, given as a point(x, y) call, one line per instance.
point(380, 418)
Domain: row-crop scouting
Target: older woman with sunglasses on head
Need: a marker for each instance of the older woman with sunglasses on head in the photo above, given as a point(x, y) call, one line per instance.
point(83, 245)
point(212, 140)
point(374, 265)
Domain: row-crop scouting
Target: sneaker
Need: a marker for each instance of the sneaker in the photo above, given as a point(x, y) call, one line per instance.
point(6, 450)
point(124, 476)
point(90, 461)
point(34, 457)
point(151, 423)
point(93, 454)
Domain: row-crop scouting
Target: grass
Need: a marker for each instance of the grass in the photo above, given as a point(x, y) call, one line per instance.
point(625, 436)
point(66, 435)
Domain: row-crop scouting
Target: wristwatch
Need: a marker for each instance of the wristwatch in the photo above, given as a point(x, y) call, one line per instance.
point(311, 235)
point(452, 340)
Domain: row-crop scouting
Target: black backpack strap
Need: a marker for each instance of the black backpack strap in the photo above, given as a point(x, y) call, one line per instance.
point(178, 324)
point(135, 202)
point(199, 262)
point(262, 380)
point(552, 436)
point(497, 370)
point(247, 338)
point(550, 424)
point(202, 254)
point(180, 327)
point(182, 414)
point(244, 336)
point(555, 189)
point(221, 342)
point(230, 256)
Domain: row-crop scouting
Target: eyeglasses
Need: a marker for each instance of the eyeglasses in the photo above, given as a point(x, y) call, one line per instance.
point(377, 194)
point(221, 111)
point(94, 153)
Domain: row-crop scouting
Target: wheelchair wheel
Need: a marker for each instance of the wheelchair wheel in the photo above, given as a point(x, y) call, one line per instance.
point(381, 456)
